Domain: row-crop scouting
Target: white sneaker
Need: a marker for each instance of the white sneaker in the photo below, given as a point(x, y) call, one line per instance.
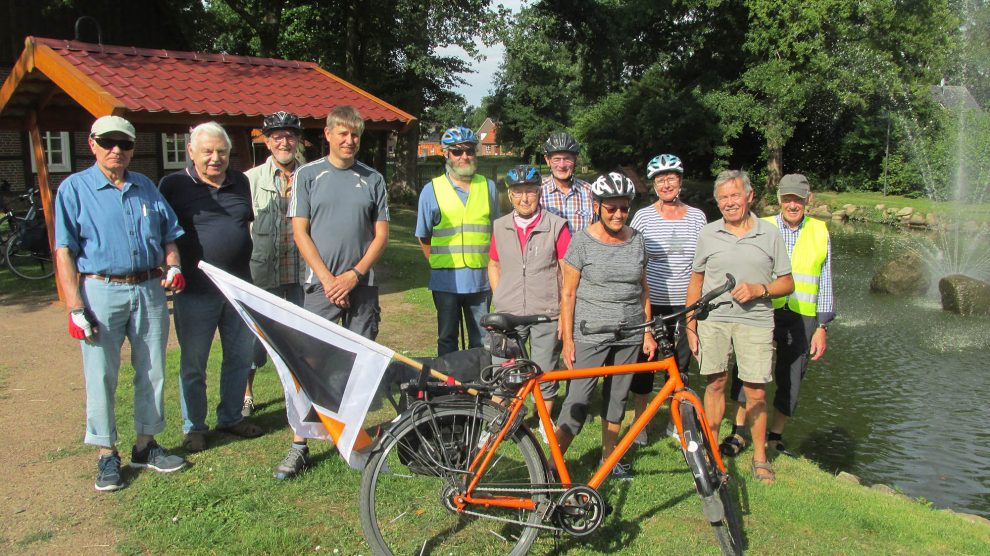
point(543, 434)
point(641, 439)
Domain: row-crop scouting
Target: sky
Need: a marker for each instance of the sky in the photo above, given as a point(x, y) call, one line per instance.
point(481, 82)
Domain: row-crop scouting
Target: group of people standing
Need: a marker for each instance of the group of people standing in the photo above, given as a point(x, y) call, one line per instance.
point(312, 233)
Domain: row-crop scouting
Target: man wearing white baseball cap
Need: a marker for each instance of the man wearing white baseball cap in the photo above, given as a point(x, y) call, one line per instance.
point(116, 255)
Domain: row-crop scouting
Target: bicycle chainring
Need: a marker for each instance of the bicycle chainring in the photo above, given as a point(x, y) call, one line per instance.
point(580, 510)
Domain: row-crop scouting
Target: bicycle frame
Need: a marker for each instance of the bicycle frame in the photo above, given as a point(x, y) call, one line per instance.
point(673, 388)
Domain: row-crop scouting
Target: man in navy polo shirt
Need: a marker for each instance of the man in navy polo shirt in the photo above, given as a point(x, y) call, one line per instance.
point(113, 234)
point(213, 203)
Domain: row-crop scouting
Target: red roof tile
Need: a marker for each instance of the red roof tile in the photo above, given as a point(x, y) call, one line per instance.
point(146, 80)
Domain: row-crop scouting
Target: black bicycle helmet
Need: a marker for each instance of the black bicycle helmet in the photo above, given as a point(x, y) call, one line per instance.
point(524, 174)
point(561, 142)
point(281, 120)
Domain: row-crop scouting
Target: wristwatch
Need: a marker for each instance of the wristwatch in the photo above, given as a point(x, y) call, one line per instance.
point(823, 326)
point(766, 292)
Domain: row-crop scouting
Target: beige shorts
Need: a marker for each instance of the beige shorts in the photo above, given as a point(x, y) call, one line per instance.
point(752, 346)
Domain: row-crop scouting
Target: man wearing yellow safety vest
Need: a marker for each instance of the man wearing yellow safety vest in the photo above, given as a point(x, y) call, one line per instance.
point(454, 227)
point(800, 319)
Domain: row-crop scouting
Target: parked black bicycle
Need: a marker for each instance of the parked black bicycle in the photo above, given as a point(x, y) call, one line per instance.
point(26, 250)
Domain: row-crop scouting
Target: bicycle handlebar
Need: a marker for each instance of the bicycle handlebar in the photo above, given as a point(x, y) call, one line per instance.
point(618, 329)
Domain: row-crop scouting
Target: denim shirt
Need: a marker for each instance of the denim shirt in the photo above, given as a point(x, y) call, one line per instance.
point(110, 230)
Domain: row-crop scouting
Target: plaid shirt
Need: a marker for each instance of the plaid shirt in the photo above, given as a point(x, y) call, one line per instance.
point(826, 300)
point(574, 206)
point(289, 261)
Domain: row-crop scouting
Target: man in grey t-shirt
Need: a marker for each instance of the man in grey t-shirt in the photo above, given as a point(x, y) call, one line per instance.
point(753, 251)
point(339, 211)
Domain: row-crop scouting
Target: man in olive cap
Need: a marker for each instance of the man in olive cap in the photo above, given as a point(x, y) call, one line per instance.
point(800, 319)
point(116, 255)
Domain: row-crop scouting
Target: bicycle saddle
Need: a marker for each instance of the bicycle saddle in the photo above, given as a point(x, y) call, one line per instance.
point(506, 323)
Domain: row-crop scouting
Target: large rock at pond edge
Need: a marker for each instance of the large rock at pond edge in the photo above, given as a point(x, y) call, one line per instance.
point(906, 211)
point(905, 275)
point(964, 295)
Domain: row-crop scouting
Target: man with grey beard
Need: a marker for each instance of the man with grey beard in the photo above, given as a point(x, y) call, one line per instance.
point(454, 226)
point(275, 262)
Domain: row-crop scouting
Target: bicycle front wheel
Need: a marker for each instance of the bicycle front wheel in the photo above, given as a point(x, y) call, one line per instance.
point(408, 485)
point(710, 482)
point(26, 263)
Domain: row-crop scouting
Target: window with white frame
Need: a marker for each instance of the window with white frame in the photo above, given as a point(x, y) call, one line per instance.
point(174, 150)
point(55, 144)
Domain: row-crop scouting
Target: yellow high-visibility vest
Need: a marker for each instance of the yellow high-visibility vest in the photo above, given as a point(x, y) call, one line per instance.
point(810, 252)
point(462, 237)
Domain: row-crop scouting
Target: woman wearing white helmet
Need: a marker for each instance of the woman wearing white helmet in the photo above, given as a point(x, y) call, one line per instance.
point(670, 229)
point(604, 281)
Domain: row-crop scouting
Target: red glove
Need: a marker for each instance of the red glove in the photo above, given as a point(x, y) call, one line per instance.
point(81, 325)
point(174, 280)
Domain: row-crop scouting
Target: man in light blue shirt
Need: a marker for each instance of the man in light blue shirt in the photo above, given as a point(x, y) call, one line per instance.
point(458, 267)
point(114, 233)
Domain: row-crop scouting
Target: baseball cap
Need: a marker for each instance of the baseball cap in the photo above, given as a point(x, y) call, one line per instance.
point(794, 184)
point(112, 124)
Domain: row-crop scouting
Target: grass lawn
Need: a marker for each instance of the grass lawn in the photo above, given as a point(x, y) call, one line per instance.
point(979, 212)
point(228, 502)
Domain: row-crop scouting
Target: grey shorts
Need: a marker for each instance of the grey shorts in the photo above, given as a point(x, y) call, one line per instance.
point(615, 389)
point(752, 346)
point(362, 316)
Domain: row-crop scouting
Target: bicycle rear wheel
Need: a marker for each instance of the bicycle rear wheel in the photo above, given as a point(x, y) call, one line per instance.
point(25, 263)
point(711, 484)
point(409, 481)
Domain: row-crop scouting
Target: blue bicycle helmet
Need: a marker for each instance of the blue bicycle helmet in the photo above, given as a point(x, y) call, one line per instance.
point(457, 136)
point(523, 174)
point(664, 163)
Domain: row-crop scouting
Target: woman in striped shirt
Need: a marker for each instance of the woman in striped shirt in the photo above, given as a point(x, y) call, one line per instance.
point(670, 229)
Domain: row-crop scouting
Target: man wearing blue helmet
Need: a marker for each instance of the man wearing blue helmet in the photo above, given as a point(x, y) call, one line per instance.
point(524, 268)
point(454, 226)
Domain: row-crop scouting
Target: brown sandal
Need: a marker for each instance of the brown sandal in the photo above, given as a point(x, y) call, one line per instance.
point(763, 472)
point(733, 445)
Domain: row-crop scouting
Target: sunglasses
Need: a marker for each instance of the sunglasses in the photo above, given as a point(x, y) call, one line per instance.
point(612, 210)
point(461, 152)
point(109, 144)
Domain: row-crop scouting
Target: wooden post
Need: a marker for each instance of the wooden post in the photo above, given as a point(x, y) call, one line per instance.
point(241, 137)
point(46, 192)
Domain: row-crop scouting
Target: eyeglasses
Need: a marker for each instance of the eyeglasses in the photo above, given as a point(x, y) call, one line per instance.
point(613, 210)
point(525, 193)
point(672, 180)
point(461, 152)
point(109, 144)
point(287, 138)
point(561, 161)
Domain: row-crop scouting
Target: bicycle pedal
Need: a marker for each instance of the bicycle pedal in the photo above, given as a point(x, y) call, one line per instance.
point(607, 509)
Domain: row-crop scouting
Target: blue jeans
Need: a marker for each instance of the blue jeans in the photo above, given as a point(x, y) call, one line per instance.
point(293, 293)
point(197, 318)
point(139, 313)
point(450, 307)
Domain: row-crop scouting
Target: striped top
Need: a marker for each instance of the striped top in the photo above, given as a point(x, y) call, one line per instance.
point(670, 246)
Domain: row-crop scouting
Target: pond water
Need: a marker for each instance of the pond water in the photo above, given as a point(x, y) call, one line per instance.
point(900, 396)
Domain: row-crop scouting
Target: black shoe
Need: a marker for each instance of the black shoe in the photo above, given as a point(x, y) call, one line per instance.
point(108, 473)
point(155, 457)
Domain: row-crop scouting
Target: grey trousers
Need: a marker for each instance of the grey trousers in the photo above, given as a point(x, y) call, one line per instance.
point(615, 389)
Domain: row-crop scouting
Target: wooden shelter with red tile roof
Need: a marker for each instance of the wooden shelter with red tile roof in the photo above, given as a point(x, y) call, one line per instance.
point(63, 86)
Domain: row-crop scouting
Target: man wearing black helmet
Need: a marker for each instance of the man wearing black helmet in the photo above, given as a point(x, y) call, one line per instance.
point(564, 194)
point(275, 262)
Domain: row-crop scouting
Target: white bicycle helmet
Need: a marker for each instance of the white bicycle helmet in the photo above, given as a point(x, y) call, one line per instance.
point(613, 184)
point(664, 163)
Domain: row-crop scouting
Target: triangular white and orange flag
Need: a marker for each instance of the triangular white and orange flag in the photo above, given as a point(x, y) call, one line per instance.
point(330, 375)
